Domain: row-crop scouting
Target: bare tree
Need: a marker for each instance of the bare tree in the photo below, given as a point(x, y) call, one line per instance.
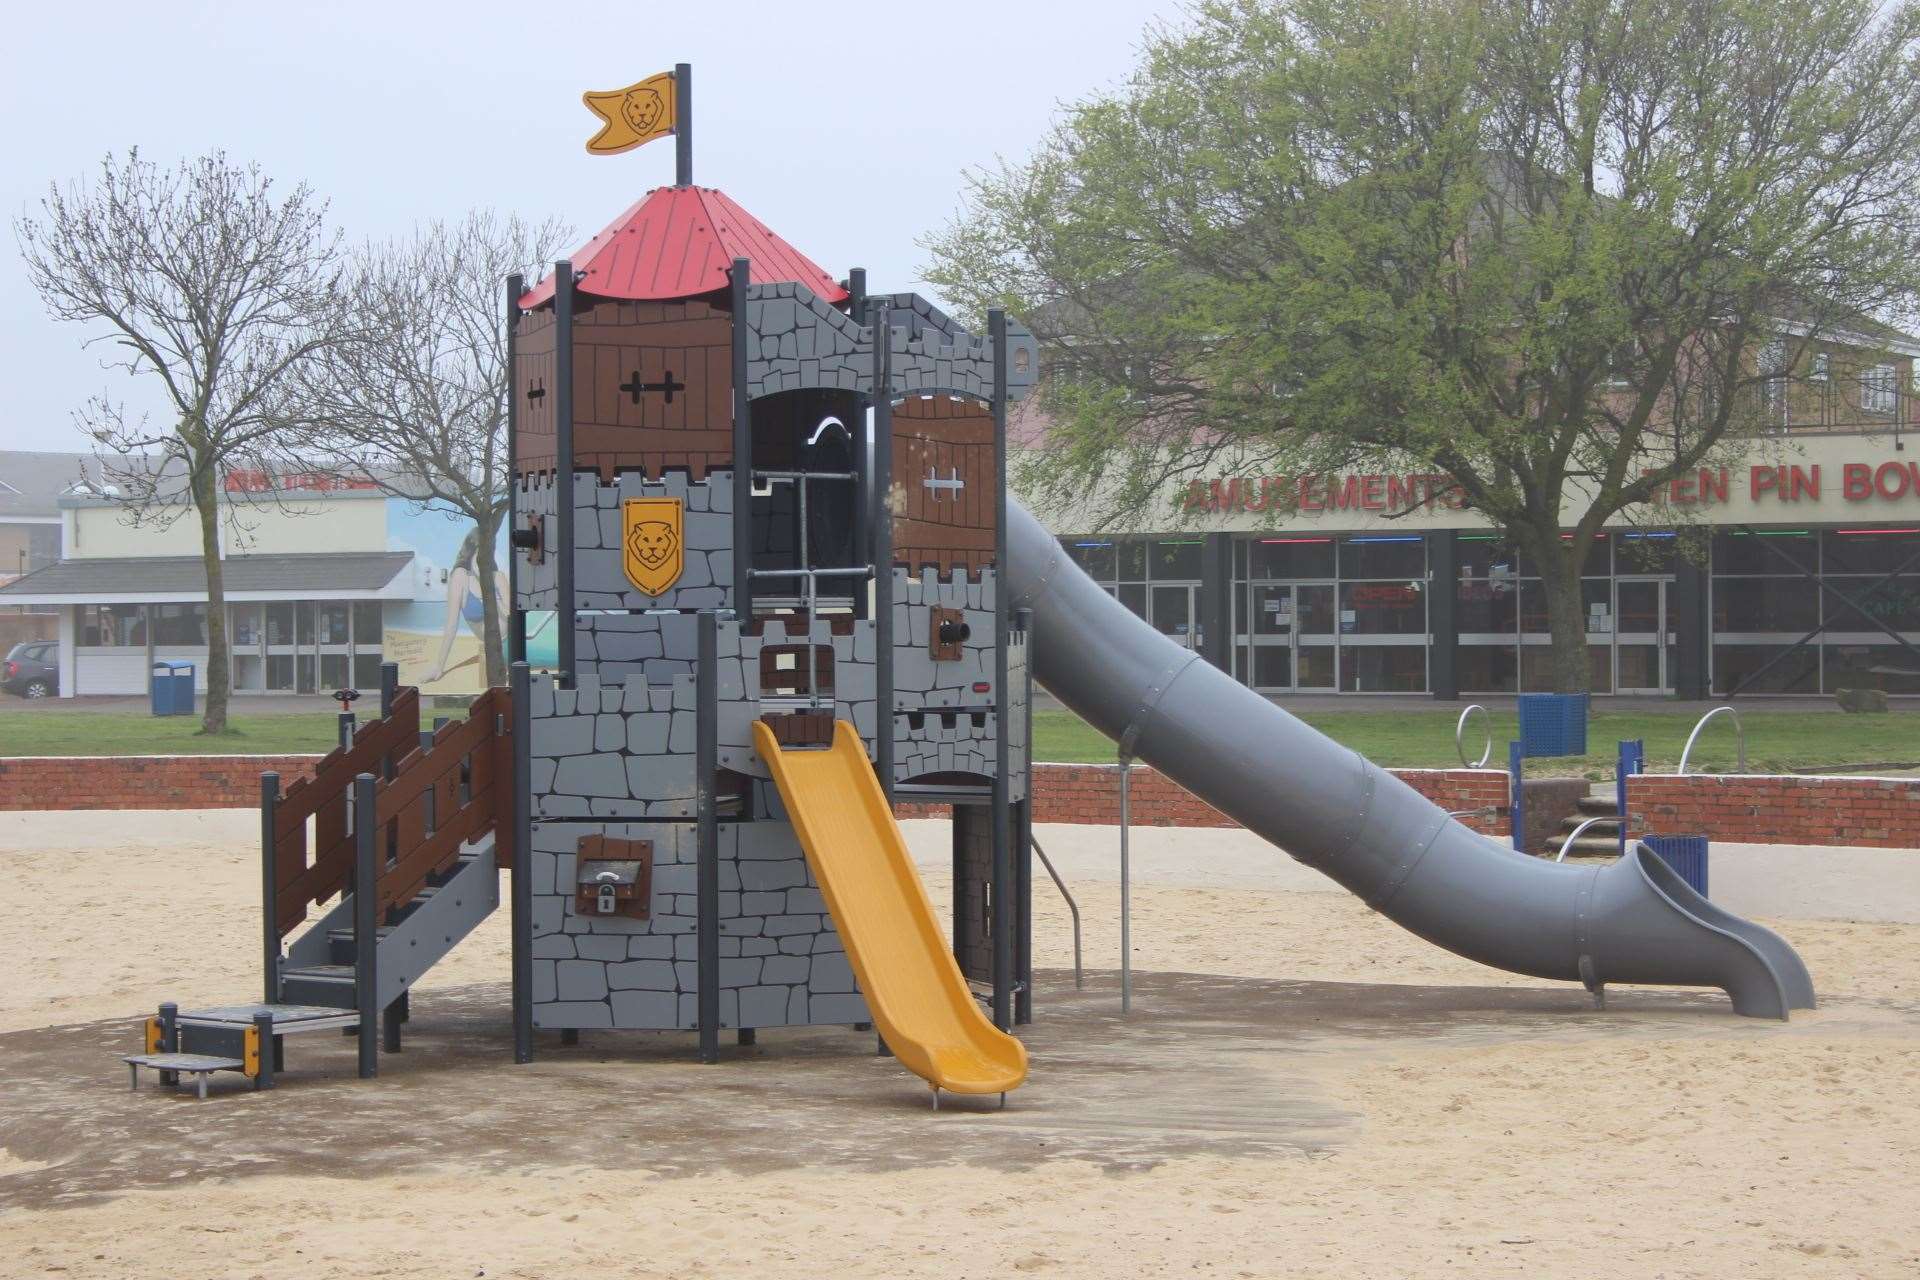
point(215, 284)
point(415, 391)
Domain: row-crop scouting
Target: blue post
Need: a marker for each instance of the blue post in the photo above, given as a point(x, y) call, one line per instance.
point(1518, 795)
point(1633, 759)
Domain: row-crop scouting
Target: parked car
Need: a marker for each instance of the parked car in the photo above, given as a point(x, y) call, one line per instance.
point(32, 670)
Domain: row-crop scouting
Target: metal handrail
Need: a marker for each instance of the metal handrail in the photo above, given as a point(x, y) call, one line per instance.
point(1575, 835)
point(1460, 727)
point(1739, 730)
point(1079, 979)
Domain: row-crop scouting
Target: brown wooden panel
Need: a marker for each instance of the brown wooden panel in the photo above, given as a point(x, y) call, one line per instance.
point(619, 347)
point(944, 441)
point(533, 373)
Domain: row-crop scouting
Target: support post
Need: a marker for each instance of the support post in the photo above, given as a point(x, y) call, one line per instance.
point(346, 725)
point(1516, 795)
point(682, 124)
point(563, 512)
point(520, 876)
point(1003, 818)
point(707, 872)
point(1126, 891)
point(366, 938)
point(862, 457)
point(880, 528)
point(738, 281)
point(169, 1037)
point(516, 618)
point(269, 887)
point(1633, 759)
point(1023, 836)
point(269, 1044)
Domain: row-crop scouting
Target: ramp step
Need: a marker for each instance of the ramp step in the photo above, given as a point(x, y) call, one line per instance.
point(288, 1019)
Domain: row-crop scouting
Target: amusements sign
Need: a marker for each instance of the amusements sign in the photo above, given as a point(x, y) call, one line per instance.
point(1854, 482)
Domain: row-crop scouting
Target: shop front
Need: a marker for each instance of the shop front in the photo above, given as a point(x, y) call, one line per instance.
point(1795, 572)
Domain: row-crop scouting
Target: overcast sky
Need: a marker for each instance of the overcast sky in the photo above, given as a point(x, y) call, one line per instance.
point(844, 126)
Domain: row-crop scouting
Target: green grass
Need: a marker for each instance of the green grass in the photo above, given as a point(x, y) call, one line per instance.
point(1777, 741)
point(87, 733)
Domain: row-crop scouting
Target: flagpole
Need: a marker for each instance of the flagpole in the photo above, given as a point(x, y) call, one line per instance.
point(683, 124)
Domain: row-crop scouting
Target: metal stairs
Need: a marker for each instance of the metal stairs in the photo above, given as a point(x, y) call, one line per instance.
point(401, 834)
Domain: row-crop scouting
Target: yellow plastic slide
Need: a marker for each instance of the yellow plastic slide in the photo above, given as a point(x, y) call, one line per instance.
point(920, 1001)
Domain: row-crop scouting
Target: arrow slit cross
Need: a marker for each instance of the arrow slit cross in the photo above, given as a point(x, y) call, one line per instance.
point(634, 386)
point(952, 484)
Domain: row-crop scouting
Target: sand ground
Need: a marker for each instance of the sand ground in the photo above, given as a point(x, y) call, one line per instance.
point(1302, 1090)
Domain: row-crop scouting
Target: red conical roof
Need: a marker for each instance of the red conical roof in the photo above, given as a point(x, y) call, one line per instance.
point(678, 242)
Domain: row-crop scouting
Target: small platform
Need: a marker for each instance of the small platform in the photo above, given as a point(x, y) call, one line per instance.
point(288, 1019)
point(200, 1065)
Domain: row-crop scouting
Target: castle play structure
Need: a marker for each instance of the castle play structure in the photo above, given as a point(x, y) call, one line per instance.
point(770, 511)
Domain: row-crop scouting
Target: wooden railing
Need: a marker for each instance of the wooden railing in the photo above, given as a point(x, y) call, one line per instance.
point(433, 796)
point(306, 872)
point(445, 793)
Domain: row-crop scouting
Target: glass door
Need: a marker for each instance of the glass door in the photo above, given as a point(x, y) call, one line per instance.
point(281, 647)
point(1173, 611)
point(1316, 636)
point(1269, 636)
point(1642, 638)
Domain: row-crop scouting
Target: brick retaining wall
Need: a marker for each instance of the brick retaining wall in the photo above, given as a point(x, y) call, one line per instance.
point(142, 782)
point(1779, 808)
point(1082, 793)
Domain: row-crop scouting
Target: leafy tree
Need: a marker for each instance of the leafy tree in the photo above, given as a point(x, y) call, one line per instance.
point(413, 394)
point(211, 284)
point(1535, 246)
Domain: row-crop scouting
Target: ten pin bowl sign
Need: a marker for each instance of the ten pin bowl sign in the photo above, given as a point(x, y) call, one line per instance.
point(652, 549)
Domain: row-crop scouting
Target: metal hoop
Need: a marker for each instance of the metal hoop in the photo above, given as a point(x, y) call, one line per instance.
point(1460, 728)
point(1738, 729)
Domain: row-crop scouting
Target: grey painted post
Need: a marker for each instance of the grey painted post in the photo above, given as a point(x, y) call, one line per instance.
point(263, 1031)
point(880, 530)
point(566, 619)
point(1003, 890)
point(739, 278)
point(517, 618)
point(863, 488)
point(520, 881)
point(1126, 893)
point(682, 124)
point(169, 1037)
point(389, 687)
point(707, 870)
point(269, 888)
point(366, 889)
point(346, 729)
point(1023, 843)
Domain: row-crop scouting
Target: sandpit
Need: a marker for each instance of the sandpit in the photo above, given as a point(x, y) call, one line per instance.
point(1302, 1089)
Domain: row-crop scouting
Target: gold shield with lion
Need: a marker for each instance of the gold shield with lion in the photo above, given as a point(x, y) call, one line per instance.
point(653, 551)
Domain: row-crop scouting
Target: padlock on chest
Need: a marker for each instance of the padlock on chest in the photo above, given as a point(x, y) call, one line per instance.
point(613, 877)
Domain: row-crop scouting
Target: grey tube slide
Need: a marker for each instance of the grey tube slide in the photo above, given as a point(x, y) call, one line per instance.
point(1633, 920)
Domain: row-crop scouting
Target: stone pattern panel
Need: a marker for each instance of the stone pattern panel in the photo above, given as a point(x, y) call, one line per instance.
point(781, 962)
point(619, 745)
point(919, 318)
point(797, 340)
point(947, 728)
point(599, 581)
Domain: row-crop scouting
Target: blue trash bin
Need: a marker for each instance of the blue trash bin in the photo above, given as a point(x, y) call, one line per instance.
point(171, 688)
point(1553, 724)
point(1687, 855)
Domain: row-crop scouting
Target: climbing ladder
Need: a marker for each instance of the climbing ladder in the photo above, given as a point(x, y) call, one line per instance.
point(406, 833)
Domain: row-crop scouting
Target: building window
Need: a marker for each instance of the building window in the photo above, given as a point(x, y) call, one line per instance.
point(112, 626)
point(1877, 389)
point(183, 625)
point(1822, 366)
